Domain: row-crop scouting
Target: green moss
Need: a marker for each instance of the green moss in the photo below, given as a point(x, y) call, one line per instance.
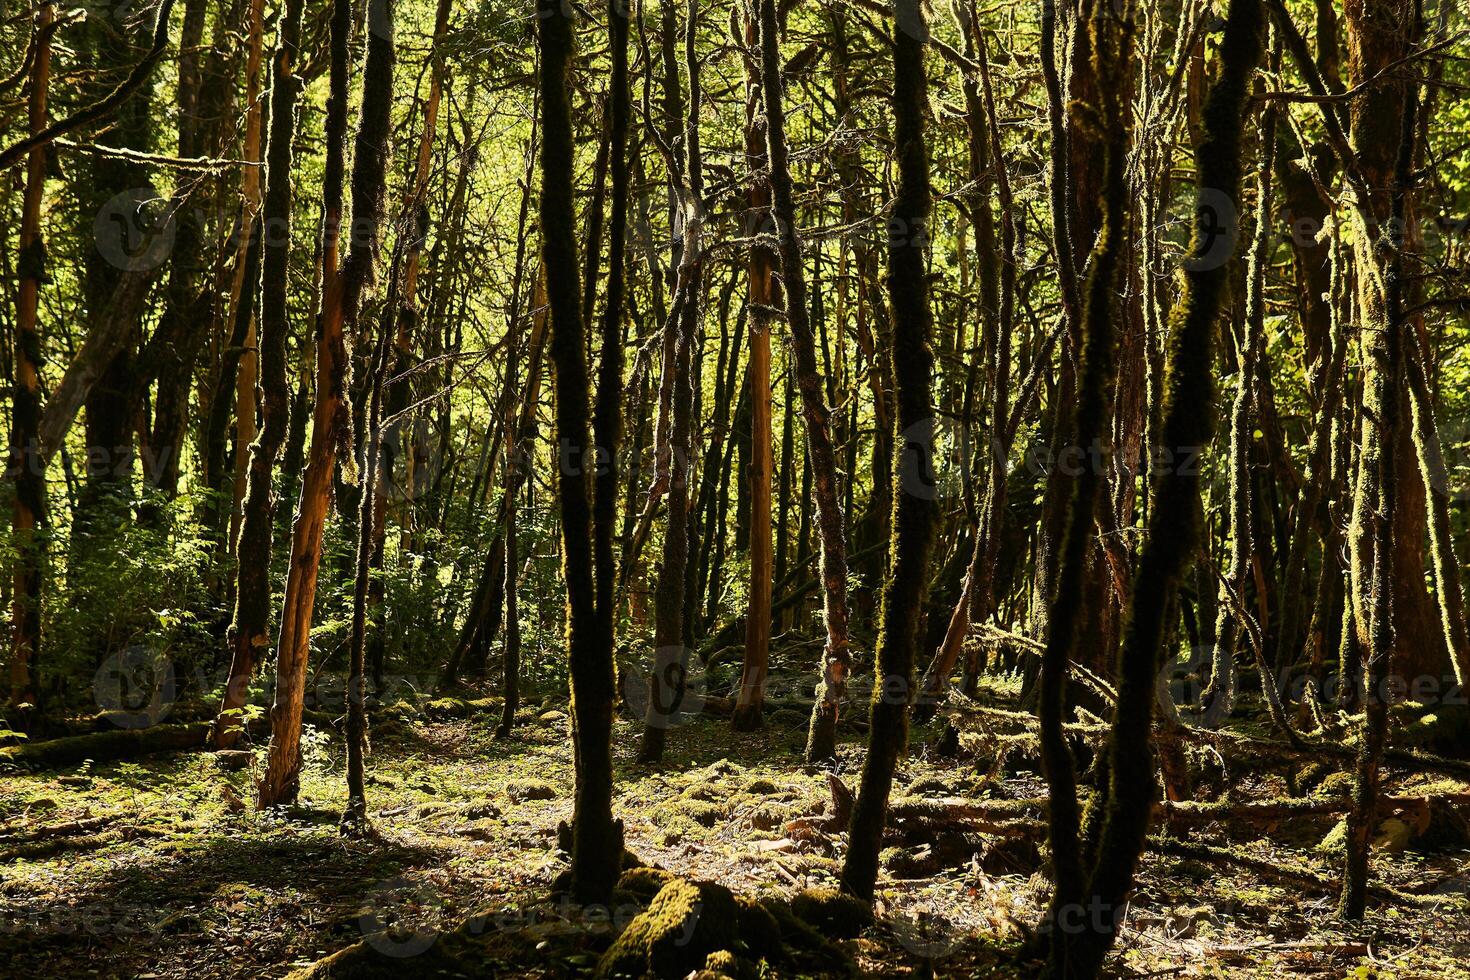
point(105, 746)
point(832, 913)
point(1443, 729)
point(708, 792)
point(645, 882)
point(681, 818)
point(770, 816)
point(726, 964)
point(1335, 841)
point(1337, 785)
point(685, 923)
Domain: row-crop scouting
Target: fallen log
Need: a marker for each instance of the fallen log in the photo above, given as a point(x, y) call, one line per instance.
point(1272, 871)
point(123, 743)
point(129, 743)
point(14, 837)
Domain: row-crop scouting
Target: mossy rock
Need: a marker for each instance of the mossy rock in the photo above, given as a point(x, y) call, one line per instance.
point(1311, 776)
point(449, 707)
point(767, 816)
point(761, 787)
point(725, 965)
point(685, 923)
point(645, 882)
point(931, 786)
point(803, 947)
point(1392, 836)
point(1338, 785)
point(832, 913)
point(681, 818)
point(521, 790)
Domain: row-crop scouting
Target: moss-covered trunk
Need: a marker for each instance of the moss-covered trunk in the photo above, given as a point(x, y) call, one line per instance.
point(28, 519)
point(914, 492)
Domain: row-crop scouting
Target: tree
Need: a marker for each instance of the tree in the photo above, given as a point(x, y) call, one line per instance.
point(25, 460)
point(667, 682)
point(597, 838)
point(836, 659)
point(1118, 814)
point(761, 297)
point(913, 512)
point(250, 627)
point(331, 426)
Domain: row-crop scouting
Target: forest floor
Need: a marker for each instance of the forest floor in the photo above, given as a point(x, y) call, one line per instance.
point(158, 867)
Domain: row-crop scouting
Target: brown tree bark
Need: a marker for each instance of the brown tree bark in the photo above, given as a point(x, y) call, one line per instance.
point(249, 633)
point(25, 464)
point(832, 529)
point(1118, 816)
point(761, 302)
point(667, 681)
point(331, 424)
point(1387, 530)
point(597, 838)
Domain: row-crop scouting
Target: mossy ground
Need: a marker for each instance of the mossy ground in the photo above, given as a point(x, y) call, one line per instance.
point(160, 867)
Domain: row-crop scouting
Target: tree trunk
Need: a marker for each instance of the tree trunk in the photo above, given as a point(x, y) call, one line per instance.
point(976, 593)
point(597, 839)
point(761, 268)
point(1118, 817)
point(354, 817)
point(331, 425)
point(249, 632)
point(1065, 616)
point(913, 490)
point(1386, 534)
point(26, 461)
point(836, 658)
point(666, 683)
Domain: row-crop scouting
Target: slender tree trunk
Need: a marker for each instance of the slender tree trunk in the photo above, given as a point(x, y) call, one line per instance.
point(1445, 563)
point(666, 684)
point(172, 350)
point(1119, 814)
point(836, 658)
point(607, 421)
point(977, 591)
point(597, 838)
point(1110, 50)
point(354, 817)
point(913, 490)
point(761, 267)
point(1380, 33)
point(25, 459)
point(1219, 698)
point(249, 632)
point(238, 382)
point(331, 426)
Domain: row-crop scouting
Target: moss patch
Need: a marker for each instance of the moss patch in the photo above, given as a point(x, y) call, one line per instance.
point(832, 913)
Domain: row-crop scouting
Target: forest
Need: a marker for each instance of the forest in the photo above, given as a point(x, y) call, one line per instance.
point(735, 489)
